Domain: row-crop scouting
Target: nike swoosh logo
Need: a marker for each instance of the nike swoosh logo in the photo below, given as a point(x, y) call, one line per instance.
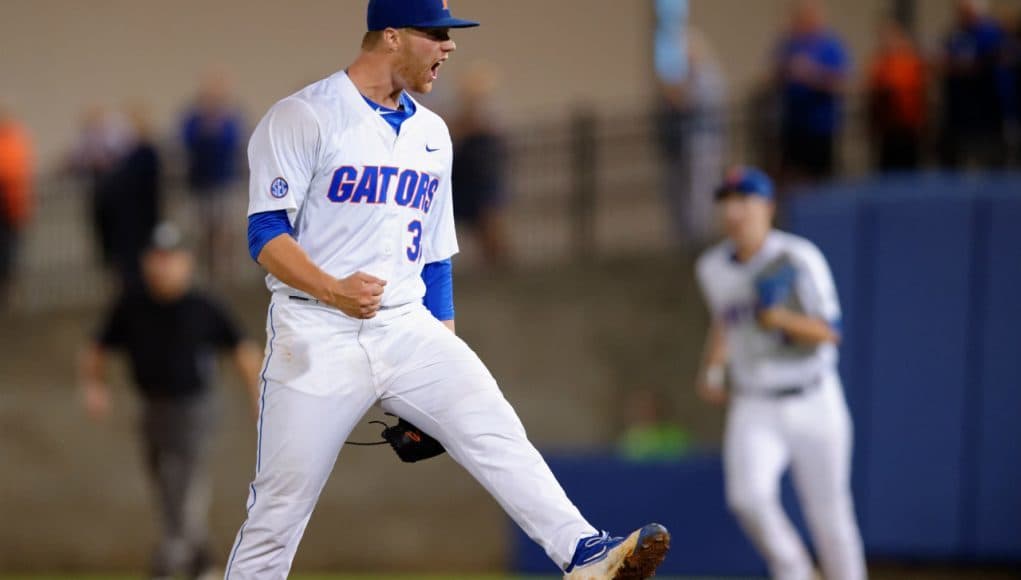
point(430, 149)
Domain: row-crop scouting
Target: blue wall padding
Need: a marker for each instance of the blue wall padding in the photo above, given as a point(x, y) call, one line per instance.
point(997, 521)
point(833, 222)
point(685, 496)
point(919, 321)
point(932, 357)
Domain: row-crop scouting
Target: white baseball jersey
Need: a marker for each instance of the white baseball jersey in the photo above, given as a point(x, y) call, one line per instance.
point(759, 359)
point(360, 196)
point(809, 432)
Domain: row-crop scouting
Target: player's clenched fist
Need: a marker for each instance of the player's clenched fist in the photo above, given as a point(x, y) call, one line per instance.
point(358, 295)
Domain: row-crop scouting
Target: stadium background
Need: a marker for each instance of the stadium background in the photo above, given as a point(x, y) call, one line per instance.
point(619, 312)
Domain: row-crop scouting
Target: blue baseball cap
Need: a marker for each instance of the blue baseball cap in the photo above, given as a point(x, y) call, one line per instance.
point(745, 181)
point(383, 14)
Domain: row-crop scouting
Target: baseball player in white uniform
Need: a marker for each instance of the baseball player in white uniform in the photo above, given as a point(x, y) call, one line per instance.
point(773, 343)
point(350, 213)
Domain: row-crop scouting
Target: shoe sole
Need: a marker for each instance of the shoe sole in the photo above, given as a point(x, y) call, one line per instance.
point(649, 552)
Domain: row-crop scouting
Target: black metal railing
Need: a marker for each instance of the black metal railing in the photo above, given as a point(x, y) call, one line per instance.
point(582, 187)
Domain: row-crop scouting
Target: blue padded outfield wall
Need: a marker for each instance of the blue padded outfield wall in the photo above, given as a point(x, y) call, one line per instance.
point(928, 268)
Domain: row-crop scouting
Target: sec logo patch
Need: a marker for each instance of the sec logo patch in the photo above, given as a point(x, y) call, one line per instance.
point(279, 188)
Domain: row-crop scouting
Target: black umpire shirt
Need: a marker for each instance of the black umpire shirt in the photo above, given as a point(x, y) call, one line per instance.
point(172, 346)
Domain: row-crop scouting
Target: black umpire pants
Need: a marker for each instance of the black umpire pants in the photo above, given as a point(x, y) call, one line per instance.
point(177, 433)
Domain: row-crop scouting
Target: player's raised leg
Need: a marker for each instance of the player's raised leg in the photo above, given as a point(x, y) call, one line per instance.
point(448, 392)
point(821, 464)
point(304, 420)
point(755, 457)
point(459, 404)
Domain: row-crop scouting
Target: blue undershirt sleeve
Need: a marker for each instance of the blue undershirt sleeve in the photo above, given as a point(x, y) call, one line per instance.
point(263, 227)
point(439, 289)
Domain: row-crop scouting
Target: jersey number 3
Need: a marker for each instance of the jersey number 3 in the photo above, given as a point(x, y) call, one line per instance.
point(414, 251)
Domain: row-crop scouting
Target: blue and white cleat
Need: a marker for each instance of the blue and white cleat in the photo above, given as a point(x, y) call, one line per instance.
point(635, 557)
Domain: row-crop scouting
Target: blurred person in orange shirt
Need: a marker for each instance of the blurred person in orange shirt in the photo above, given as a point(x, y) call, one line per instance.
point(16, 167)
point(897, 103)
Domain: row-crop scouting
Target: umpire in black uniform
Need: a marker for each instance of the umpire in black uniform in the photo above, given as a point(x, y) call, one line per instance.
point(171, 334)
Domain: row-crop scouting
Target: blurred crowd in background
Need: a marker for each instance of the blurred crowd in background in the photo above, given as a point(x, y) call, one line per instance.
point(955, 105)
point(119, 162)
point(125, 171)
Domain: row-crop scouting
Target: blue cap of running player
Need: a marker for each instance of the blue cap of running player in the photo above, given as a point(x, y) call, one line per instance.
point(745, 181)
point(383, 14)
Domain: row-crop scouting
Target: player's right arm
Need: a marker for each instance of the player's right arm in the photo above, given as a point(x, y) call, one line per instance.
point(710, 382)
point(283, 155)
point(813, 284)
point(358, 295)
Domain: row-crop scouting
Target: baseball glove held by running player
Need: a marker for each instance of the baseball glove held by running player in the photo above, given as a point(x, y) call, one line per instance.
point(410, 443)
point(774, 286)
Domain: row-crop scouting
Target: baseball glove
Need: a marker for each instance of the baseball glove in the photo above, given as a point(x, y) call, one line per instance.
point(410, 443)
point(774, 286)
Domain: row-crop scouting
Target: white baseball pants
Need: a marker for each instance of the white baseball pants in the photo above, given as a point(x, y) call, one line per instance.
point(811, 433)
point(323, 371)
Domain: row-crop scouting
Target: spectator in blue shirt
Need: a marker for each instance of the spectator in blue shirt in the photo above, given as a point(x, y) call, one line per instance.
point(812, 69)
point(213, 136)
point(975, 90)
